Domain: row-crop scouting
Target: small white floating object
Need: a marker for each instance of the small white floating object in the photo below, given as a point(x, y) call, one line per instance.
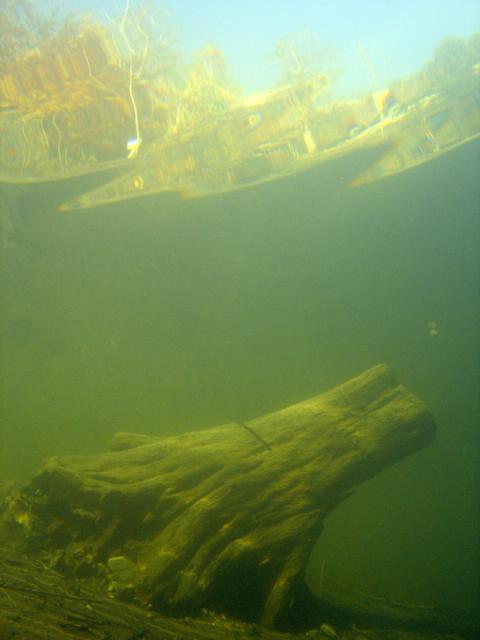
point(133, 146)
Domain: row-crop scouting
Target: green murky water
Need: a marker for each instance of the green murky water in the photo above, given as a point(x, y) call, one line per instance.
point(162, 315)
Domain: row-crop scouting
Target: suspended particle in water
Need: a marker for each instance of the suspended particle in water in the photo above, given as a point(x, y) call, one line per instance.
point(433, 328)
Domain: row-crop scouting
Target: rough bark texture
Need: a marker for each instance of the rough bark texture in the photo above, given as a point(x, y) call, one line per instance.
point(224, 518)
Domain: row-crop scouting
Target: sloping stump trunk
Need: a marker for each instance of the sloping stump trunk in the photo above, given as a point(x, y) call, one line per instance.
point(223, 519)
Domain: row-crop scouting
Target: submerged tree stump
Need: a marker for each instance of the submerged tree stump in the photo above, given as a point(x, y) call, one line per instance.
point(223, 519)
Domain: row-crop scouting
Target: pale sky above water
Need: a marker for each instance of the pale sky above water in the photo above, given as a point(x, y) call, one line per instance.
point(397, 36)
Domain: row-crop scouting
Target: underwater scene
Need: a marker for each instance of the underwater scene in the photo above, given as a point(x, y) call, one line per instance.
point(240, 327)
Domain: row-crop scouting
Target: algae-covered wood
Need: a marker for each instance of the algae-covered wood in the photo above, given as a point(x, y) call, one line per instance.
point(225, 518)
